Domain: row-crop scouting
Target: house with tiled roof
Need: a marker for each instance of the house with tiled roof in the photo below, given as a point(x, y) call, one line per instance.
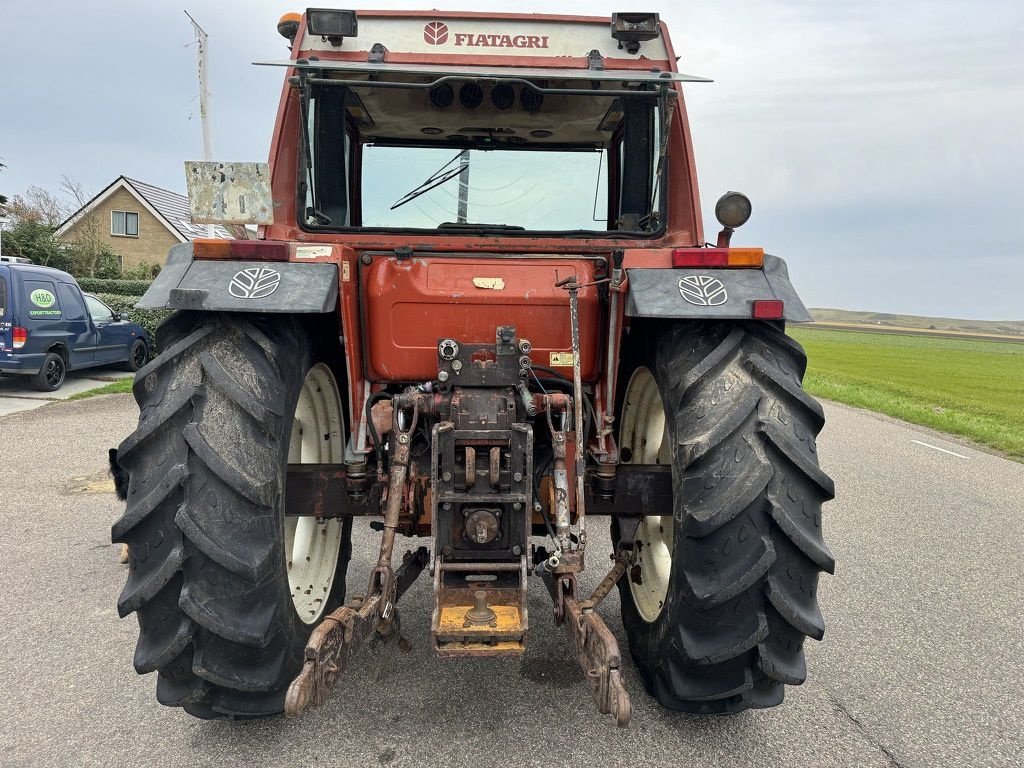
point(137, 221)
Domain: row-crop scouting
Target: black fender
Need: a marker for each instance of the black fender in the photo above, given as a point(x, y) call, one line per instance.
point(721, 294)
point(242, 286)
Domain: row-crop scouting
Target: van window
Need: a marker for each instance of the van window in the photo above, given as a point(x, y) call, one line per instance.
point(3, 297)
point(100, 312)
point(71, 298)
point(41, 300)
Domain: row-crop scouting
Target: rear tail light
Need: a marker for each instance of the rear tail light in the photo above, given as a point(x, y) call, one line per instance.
point(250, 250)
point(768, 309)
point(711, 258)
point(20, 336)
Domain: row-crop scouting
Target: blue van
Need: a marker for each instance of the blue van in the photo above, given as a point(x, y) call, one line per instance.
point(49, 327)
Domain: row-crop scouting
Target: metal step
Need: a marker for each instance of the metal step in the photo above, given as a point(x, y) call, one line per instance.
point(479, 608)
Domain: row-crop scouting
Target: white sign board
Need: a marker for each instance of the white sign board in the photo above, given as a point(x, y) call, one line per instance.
point(229, 193)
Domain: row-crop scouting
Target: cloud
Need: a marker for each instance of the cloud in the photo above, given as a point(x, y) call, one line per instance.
point(882, 144)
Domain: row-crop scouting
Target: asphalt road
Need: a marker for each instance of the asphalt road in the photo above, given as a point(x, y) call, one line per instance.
point(921, 664)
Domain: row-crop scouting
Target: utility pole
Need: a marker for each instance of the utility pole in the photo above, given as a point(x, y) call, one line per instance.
point(463, 186)
point(204, 95)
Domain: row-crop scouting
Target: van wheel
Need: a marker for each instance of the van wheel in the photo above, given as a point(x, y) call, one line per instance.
point(138, 356)
point(51, 375)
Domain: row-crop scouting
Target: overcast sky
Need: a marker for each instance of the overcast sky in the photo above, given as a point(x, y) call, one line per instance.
point(882, 143)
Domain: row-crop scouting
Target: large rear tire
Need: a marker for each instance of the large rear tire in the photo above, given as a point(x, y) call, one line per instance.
point(723, 593)
point(215, 565)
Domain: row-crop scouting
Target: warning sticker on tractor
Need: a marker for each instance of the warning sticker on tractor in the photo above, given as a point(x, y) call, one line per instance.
point(313, 251)
point(561, 359)
point(489, 283)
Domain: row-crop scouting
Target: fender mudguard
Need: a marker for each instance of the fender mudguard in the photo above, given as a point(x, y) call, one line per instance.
point(241, 286)
point(722, 294)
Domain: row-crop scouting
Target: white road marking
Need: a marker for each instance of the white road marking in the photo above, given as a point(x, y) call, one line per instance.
point(936, 448)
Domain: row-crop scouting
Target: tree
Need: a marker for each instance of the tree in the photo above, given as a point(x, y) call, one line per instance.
point(38, 205)
point(34, 240)
point(88, 247)
point(32, 218)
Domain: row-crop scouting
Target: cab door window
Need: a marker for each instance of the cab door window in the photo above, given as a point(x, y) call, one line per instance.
point(100, 312)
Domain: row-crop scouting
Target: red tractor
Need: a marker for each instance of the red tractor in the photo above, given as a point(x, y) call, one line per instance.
point(479, 309)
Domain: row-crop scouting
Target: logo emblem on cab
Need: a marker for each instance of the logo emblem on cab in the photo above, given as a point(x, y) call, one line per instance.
point(254, 283)
point(703, 290)
point(435, 33)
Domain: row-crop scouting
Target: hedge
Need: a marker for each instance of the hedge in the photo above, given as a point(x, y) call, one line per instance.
point(147, 318)
point(119, 287)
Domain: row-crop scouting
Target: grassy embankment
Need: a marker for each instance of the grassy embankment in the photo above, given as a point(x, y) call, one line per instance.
point(970, 388)
point(113, 388)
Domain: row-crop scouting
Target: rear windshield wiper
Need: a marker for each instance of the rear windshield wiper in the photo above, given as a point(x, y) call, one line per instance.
point(462, 225)
point(442, 176)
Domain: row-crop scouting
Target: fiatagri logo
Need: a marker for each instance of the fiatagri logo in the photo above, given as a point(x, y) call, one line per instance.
point(436, 33)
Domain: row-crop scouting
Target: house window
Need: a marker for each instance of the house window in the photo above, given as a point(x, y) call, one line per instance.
point(124, 223)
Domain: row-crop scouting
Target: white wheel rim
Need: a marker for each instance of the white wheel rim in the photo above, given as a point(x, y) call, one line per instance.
point(311, 548)
point(643, 436)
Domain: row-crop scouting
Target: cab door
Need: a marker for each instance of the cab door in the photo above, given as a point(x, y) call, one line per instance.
point(114, 337)
point(82, 335)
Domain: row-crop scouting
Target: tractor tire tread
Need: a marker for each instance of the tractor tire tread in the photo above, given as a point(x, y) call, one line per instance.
point(743, 594)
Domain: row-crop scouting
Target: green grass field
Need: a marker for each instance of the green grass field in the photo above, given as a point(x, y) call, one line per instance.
point(113, 388)
point(969, 388)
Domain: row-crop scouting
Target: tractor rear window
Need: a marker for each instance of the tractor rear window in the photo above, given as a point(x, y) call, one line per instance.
point(468, 154)
point(430, 187)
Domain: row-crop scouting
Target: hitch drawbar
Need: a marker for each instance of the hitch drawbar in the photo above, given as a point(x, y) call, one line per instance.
point(337, 639)
point(482, 504)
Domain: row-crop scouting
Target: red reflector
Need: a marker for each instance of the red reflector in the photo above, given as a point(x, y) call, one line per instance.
point(19, 336)
point(768, 309)
point(700, 257)
point(248, 250)
point(210, 248)
point(751, 258)
point(259, 250)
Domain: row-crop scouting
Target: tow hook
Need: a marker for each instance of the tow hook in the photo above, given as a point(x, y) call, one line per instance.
point(337, 639)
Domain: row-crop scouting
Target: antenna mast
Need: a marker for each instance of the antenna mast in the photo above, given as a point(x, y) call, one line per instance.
point(204, 95)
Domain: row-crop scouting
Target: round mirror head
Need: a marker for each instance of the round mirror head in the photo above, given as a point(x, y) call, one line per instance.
point(733, 209)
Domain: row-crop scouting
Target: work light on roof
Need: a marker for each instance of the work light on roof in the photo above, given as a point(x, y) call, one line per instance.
point(332, 25)
point(631, 29)
point(733, 209)
point(288, 26)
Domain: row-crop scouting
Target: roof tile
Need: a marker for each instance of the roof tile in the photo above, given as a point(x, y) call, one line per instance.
point(174, 208)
